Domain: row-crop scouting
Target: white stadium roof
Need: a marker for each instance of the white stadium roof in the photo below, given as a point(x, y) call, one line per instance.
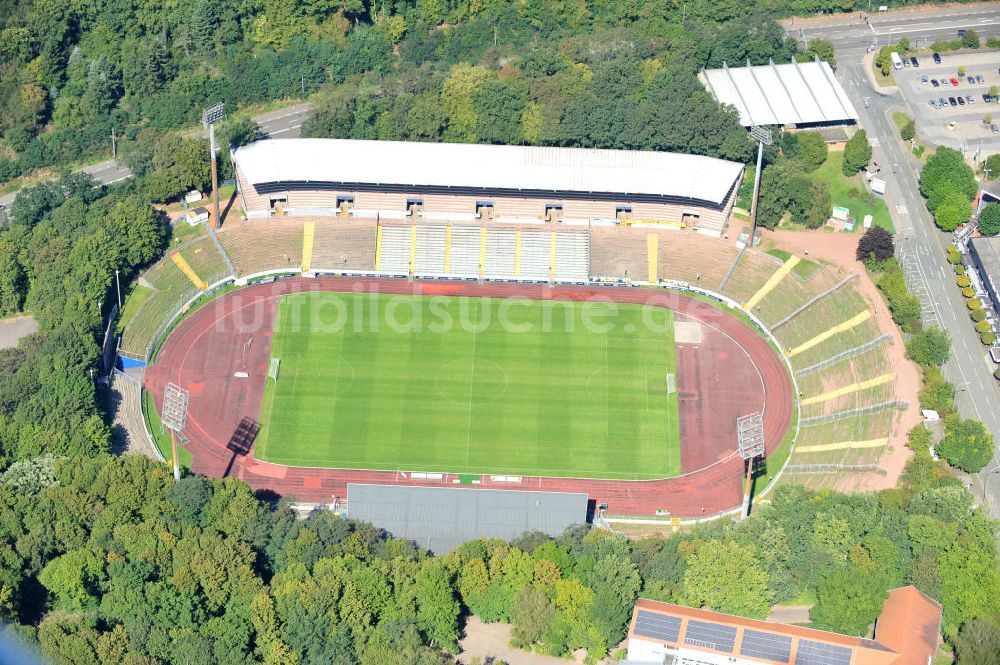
point(796, 93)
point(488, 167)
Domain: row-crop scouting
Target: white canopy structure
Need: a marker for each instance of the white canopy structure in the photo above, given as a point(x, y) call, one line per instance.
point(799, 93)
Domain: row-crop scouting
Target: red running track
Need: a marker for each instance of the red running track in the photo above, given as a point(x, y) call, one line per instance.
point(730, 370)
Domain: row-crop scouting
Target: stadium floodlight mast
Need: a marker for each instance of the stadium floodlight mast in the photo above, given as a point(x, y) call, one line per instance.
point(750, 441)
point(763, 137)
point(174, 418)
point(209, 117)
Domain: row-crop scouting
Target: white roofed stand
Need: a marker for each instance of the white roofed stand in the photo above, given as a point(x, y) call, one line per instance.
point(484, 183)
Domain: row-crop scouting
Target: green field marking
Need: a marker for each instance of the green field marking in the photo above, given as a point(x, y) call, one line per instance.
point(550, 395)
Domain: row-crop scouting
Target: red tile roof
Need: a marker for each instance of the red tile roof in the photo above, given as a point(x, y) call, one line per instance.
point(909, 625)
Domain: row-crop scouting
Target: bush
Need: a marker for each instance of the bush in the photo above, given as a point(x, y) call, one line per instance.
point(959, 269)
point(929, 347)
point(973, 304)
point(967, 444)
point(989, 219)
point(984, 326)
point(961, 70)
point(996, 374)
point(908, 131)
point(936, 393)
point(987, 338)
point(962, 280)
point(903, 305)
point(970, 39)
point(954, 258)
point(968, 292)
point(978, 315)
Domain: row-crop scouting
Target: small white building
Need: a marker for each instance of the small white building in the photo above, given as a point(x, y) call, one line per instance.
point(196, 216)
point(193, 197)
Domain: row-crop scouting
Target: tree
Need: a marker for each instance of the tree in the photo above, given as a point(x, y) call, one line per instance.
point(946, 170)
point(970, 39)
point(883, 60)
point(847, 601)
point(499, 107)
point(908, 131)
point(857, 153)
point(978, 642)
point(875, 244)
point(989, 219)
point(967, 444)
point(13, 285)
point(812, 150)
point(530, 616)
point(929, 347)
point(727, 577)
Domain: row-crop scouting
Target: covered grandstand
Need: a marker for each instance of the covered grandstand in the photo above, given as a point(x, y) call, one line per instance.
point(804, 95)
point(448, 182)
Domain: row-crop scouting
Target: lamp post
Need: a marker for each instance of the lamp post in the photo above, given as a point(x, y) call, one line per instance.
point(763, 137)
point(118, 290)
point(209, 117)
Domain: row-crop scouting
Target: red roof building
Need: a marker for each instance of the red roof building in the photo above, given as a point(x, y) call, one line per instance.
point(663, 633)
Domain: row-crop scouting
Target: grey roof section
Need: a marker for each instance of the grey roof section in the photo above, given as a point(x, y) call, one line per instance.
point(509, 167)
point(760, 644)
point(988, 250)
point(658, 626)
point(441, 518)
point(820, 653)
point(793, 94)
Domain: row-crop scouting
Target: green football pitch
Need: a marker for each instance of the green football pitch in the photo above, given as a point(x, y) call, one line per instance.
point(472, 385)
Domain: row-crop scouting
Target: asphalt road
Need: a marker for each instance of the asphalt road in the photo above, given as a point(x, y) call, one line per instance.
point(849, 34)
point(920, 246)
point(284, 123)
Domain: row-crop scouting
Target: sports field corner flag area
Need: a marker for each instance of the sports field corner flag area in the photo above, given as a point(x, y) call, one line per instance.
point(471, 385)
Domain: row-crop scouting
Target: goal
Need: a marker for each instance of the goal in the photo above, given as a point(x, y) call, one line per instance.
point(272, 370)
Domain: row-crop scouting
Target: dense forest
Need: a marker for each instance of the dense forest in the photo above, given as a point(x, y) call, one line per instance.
point(614, 74)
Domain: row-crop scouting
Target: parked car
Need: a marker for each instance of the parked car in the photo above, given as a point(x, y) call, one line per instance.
point(937, 58)
point(942, 102)
point(971, 80)
point(970, 99)
point(961, 33)
point(951, 100)
point(961, 100)
point(913, 61)
point(979, 78)
point(933, 103)
point(994, 128)
point(923, 79)
point(934, 83)
point(954, 81)
point(986, 98)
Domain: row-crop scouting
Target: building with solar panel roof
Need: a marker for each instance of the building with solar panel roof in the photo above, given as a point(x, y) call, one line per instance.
point(906, 633)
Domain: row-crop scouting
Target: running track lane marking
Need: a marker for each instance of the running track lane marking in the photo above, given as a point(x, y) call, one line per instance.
point(772, 282)
point(855, 320)
point(308, 233)
point(872, 443)
point(189, 271)
point(854, 387)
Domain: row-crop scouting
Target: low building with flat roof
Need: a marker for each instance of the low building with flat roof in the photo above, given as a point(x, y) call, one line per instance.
point(906, 633)
point(985, 254)
point(471, 182)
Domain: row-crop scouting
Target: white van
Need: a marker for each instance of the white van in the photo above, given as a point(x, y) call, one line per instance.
point(897, 62)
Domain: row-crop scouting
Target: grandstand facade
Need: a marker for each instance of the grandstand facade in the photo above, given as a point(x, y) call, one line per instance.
point(442, 182)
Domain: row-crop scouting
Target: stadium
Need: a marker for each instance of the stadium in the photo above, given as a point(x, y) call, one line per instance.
point(328, 345)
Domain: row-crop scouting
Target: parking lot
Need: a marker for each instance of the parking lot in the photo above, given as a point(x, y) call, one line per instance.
point(935, 122)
